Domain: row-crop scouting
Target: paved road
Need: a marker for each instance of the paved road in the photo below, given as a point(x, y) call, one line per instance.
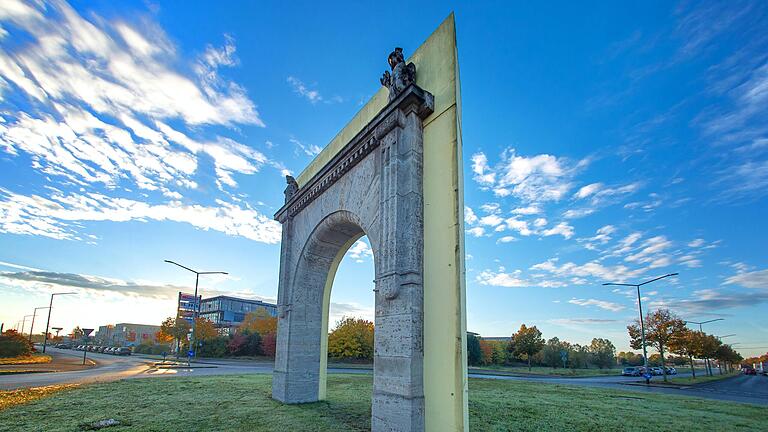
point(748, 389)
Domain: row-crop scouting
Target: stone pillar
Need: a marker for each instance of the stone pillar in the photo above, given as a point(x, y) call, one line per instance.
point(398, 390)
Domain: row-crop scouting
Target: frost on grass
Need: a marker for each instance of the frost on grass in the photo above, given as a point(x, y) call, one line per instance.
point(21, 396)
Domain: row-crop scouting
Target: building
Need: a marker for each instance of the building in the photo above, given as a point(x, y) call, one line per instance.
point(127, 334)
point(228, 312)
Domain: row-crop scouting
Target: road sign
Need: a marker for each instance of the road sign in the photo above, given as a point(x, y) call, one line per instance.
point(87, 332)
point(647, 376)
point(191, 353)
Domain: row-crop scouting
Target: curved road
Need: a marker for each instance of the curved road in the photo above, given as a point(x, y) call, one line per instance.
point(746, 389)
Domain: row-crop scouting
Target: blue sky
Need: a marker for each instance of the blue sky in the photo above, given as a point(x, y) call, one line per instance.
point(613, 144)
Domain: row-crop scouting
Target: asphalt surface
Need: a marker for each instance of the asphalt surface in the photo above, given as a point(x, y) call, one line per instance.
point(745, 389)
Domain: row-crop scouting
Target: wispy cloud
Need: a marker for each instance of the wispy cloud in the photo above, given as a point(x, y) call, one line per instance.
point(59, 216)
point(602, 304)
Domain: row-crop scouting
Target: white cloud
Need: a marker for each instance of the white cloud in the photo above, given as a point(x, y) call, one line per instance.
point(359, 251)
point(578, 213)
point(308, 149)
point(602, 304)
point(699, 242)
point(562, 229)
point(756, 279)
point(477, 231)
point(594, 269)
point(102, 92)
point(539, 222)
point(470, 217)
point(530, 210)
point(506, 239)
point(313, 96)
point(501, 278)
point(491, 220)
point(518, 225)
point(538, 178)
point(483, 174)
point(588, 190)
point(60, 216)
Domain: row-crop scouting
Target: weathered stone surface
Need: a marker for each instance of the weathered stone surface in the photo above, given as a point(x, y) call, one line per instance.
point(373, 187)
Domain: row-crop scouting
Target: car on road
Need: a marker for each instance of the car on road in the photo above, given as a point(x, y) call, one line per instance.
point(123, 351)
point(749, 371)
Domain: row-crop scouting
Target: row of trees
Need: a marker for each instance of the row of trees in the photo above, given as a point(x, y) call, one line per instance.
point(527, 345)
point(667, 333)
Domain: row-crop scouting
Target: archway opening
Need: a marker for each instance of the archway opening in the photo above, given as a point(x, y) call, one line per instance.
point(348, 328)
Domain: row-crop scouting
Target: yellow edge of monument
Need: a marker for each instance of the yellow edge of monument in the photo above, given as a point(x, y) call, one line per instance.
point(445, 360)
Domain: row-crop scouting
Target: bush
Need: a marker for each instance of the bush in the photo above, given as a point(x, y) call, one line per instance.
point(216, 347)
point(155, 349)
point(245, 344)
point(269, 344)
point(13, 344)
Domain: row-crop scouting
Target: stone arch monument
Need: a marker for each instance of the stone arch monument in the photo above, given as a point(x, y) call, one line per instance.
point(393, 174)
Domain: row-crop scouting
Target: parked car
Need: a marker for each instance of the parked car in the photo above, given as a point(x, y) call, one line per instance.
point(630, 371)
point(657, 371)
point(123, 351)
point(108, 350)
point(750, 371)
point(671, 371)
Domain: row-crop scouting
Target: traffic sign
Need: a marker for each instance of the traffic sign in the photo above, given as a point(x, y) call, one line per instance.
point(647, 376)
point(191, 353)
point(87, 332)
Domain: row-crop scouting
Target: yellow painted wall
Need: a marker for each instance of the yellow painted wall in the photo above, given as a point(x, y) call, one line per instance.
point(445, 360)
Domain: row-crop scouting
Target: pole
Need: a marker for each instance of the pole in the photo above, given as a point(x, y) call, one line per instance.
point(85, 349)
point(47, 323)
point(642, 333)
point(192, 344)
point(31, 327)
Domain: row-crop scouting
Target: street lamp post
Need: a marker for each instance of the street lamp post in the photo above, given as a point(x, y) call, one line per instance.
point(48, 321)
point(192, 342)
point(642, 324)
point(706, 359)
point(24, 323)
point(32, 326)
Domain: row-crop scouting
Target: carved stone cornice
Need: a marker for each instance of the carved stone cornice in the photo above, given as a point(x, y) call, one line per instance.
point(411, 99)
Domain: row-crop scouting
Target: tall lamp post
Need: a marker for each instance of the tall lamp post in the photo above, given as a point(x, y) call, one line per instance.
point(48, 322)
point(24, 323)
point(32, 326)
point(706, 360)
point(192, 342)
point(640, 309)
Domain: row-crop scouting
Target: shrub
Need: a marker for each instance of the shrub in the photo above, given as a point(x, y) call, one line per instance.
point(13, 344)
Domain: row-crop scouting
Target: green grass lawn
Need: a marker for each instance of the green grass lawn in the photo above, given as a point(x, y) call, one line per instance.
point(235, 403)
point(700, 378)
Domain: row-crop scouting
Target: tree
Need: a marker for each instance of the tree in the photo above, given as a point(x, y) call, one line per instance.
point(487, 352)
point(709, 345)
point(351, 339)
point(259, 321)
point(527, 341)
point(77, 333)
point(687, 343)
point(660, 328)
point(551, 353)
point(474, 352)
point(175, 329)
point(205, 329)
point(603, 352)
